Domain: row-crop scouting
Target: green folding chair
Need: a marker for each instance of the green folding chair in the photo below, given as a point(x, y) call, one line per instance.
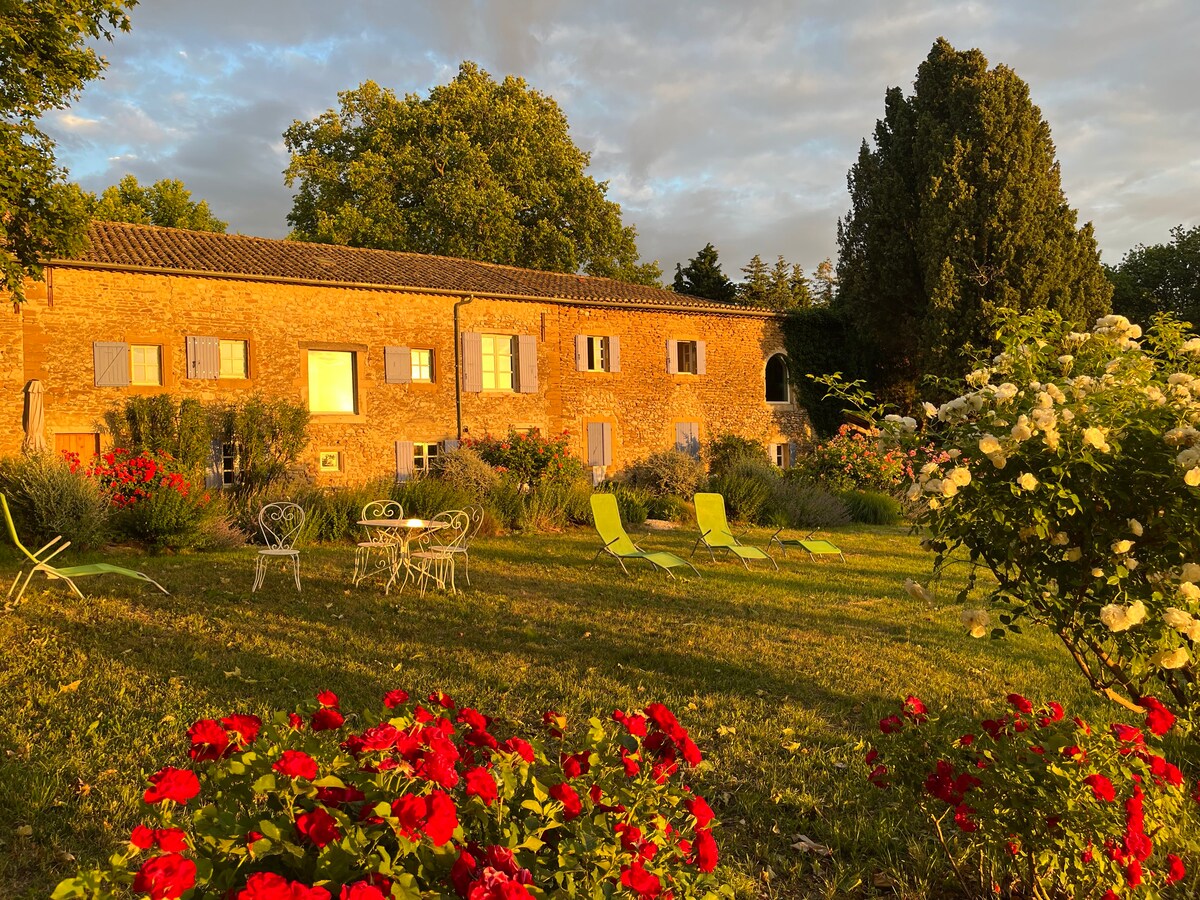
point(41, 563)
point(715, 533)
point(814, 548)
point(607, 519)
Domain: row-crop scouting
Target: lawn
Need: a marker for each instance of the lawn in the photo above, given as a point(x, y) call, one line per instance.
point(776, 674)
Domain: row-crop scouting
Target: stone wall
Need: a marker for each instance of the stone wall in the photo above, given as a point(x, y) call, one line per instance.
point(51, 339)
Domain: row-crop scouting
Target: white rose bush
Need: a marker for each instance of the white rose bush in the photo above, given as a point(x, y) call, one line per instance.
point(1073, 476)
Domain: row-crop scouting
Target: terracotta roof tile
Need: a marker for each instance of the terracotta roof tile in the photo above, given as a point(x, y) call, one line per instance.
point(148, 247)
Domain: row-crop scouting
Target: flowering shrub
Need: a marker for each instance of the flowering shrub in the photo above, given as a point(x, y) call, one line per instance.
point(1073, 475)
point(854, 459)
point(424, 801)
point(528, 458)
point(1035, 798)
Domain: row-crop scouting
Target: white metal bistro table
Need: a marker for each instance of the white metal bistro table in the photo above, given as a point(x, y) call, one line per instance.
point(399, 534)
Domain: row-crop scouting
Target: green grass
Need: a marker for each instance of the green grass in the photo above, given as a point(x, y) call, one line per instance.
point(776, 674)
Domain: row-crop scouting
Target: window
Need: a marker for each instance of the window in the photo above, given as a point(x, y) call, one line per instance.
point(687, 357)
point(497, 359)
point(779, 455)
point(597, 354)
point(778, 390)
point(234, 359)
point(424, 458)
point(332, 381)
point(145, 364)
point(422, 365)
point(229, 464)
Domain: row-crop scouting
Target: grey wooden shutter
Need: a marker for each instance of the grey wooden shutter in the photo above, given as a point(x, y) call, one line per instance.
point(404, 460)
point(527, 374)
point(214, 471)
point(111, 359)
point(793, 453)
point(450, 445)
point(687, 438)
point(606, 432)
point(614, 353)
point(397, 365)
point(472, 361)
point(672, 357)
point(581, 350)
point(701, 359)
point(432, 365)
point(595, 443)
point(203, 357)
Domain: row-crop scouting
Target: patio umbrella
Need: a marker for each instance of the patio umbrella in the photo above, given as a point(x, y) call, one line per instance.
point(34, 419)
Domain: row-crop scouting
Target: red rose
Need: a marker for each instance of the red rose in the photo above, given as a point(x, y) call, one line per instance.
point(246, 727)
point(392, 699)
point(1019, 703)
point(700, 811)
point(209, 740)
point(1127, 734)
point(442, 699)
point(296, 721)
point(1159, 719)
point(554, 723)
point(410, 810)
point(891, 724)
point(142, 837)
point(565, 794)
point(1133, 874)
point(915, 709)
point(574, 765)
point(521, 748)
point(631, 766)
point(481, 784)
point(441, 818)
point(267, 886)
point(336, 796)
point(379, 737)
point(179, 785)
point(645, 885)
point(1175, 869)
point(475, 719)
point(296, 764)
point(962, 818)
point(165, 877)
point(1101, 787)
point(318, 827)
point(706, 850)
point(328, 699)
point(361, 890)
point(632, 722)
point(172, 840)
point(327, 719)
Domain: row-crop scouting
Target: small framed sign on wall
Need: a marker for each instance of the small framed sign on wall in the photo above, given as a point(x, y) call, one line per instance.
point(329, 461)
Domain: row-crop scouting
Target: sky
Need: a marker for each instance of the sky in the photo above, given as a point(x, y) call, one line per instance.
point(726, 122)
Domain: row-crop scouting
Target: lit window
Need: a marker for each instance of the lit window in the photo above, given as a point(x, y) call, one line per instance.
point(424, 458)
point(497, 362)
point(145, 362)
point(777, 380)
point(332, 386)
point(422, 365)
point(233, 359)
point(597, 354)
point(779, 455)
point(687, 357)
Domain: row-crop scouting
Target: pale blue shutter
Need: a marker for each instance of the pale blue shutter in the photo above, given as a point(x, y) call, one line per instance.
point(450, 445)
point(581, 353)
point(595, 443)
point(701, 358)
point(111, 360)
point(203, 357)
point(472, 362)
point(527, 374)
point(672, 357)
point(404, 460)
point(614, 353)
point(397, 365)
point(687, 438)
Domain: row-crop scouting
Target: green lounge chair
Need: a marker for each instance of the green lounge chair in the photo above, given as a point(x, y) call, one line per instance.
point(617, 543)
point(41, 563)
point(814, 548)
point(715, 533)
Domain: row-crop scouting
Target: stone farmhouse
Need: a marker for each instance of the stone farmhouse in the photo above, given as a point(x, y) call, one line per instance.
point(397, 355)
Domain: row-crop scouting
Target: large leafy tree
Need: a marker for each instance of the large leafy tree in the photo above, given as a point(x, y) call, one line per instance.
point(166, 202)
point(957, 212)
point(1160, 278)
point(703, 277)
point(46, 57)
point(479, 169)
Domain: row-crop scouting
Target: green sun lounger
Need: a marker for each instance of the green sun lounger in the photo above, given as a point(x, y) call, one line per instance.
point(607, 519)
point(41, 563)
point(715, 533)
point(814, 548)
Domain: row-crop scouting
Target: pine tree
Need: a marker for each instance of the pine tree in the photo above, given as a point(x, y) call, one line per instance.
point(755, 289)
point(702, 277)
point(957, 211)
point(827, 282)
point(800, 288)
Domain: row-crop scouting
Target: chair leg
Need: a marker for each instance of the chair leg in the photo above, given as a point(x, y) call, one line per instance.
point(16, 581)
point(467, 567)
point(260, 572)
point(296, 570)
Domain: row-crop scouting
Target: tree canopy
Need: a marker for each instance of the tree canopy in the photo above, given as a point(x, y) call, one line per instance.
point(703, 277)
point(166, 202)
point(957, 212)
point(46, 57)
point(780, 287)
point(1160, 278)
point(479, 169)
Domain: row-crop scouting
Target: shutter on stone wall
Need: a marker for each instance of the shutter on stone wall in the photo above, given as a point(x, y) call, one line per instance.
point(687, 438)
point(527, 374)
point(397, 365)
point(701, 359)
point(450, 445)
point(472, 362)
point(404, 460)
point(203, 357)
point(614, 353)
point(111, 359)
point(672, 357)
point(581, 349)
point(793, 453)
point(599, 444)
point(216, 465)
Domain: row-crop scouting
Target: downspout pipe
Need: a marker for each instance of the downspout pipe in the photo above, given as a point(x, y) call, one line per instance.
point(458, 366)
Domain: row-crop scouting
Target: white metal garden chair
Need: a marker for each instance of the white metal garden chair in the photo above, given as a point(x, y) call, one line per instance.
point(435, 559)
point(280, 524)
point(376, 542)
point(463, 546)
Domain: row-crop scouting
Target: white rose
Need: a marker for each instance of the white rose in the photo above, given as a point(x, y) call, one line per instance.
point(1131, 563)
point(1021, 432)
point(1171, 659)
point(1136, 612)
point(1178, 619)
point(1135, 527)
point(1193, 633)
point(1060, 539)
point(976, 621)
point(988, 445)
point(1027, 481)
point(1190, 346)
point(1073, 555)
point(1114, 618)
point(960, 475)
point(1095, 437)
point(1192, 478)
point(1189, 591)
point(999, 460)
point(1119, 547)
point(913, 492)
point(1189, 572)
point(1097, 573)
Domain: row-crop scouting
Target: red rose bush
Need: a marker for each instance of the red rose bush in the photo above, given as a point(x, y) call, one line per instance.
point(425, 801)
point(1036, 799)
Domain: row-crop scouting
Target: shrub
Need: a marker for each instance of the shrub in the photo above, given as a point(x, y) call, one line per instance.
point(667, 473)
point(528, 457)
point(48, 498)
point(421, 803)
point(219, 531)
point(747, 488)
point(1035, 799)
point(163, 426)
point(553, 505)
point(795, 503)
point(725, 451)
point(632, 503)
point(269, 435)
point(670, 508)
point(507, 504)
point(872, 507)
point(426, 497)
point(853, 459)
point(465, 469)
